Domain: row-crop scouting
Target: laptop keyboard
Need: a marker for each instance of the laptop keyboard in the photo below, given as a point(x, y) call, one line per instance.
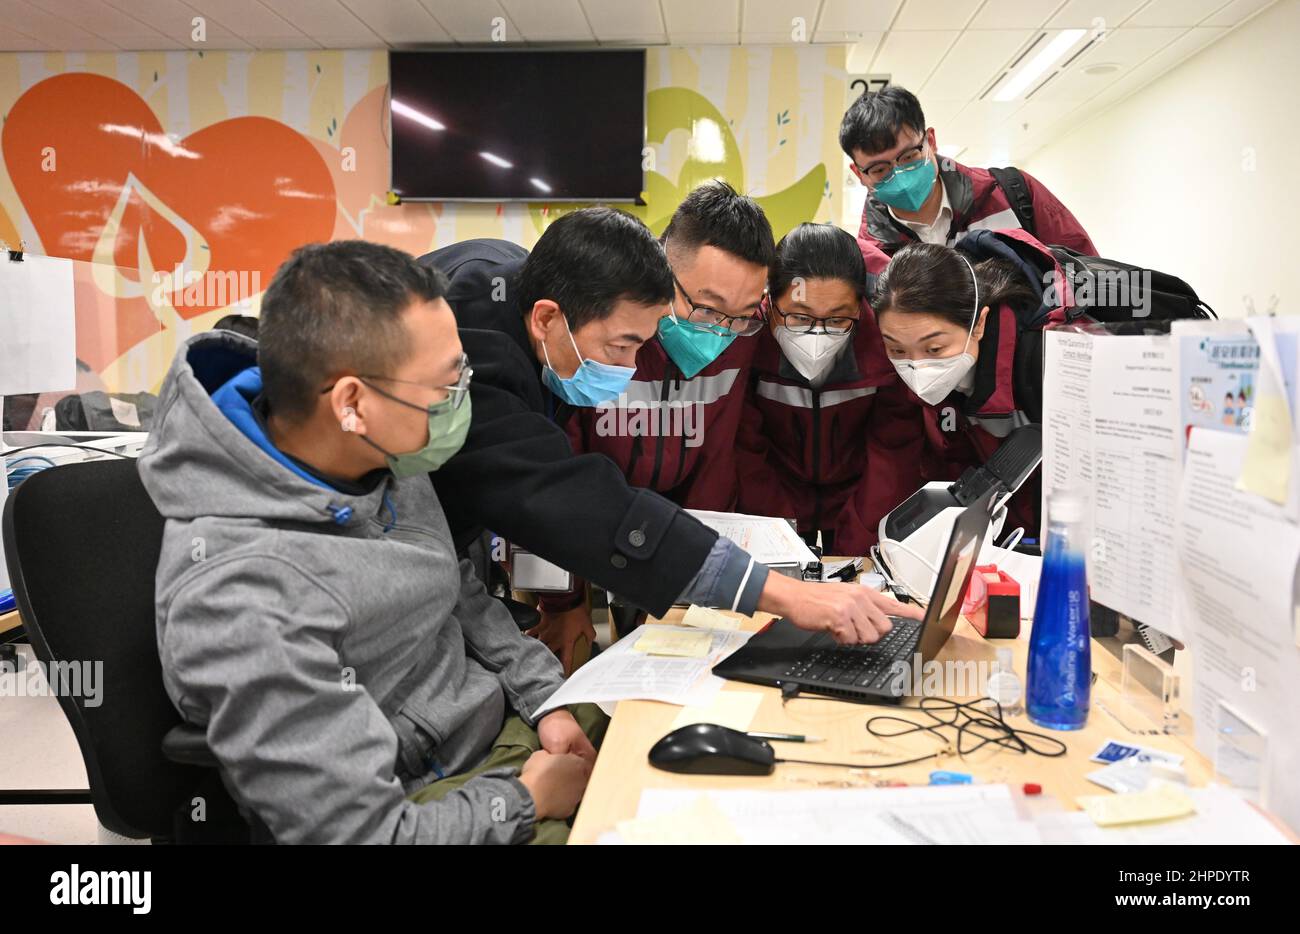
point(863, 666)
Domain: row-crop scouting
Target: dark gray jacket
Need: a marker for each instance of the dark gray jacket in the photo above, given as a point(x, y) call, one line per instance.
point(321, 637)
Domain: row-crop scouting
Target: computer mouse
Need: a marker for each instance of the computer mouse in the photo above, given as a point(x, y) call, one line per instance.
point(710, 749)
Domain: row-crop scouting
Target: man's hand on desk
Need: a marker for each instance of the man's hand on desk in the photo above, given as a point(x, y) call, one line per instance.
point(851, 613)
point(561, 631)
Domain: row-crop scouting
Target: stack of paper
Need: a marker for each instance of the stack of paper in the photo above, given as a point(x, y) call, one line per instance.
point(925, 814)
point(625, 672)
point(773, 542)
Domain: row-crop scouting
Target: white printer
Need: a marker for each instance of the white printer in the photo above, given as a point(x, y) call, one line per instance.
point(913, 535)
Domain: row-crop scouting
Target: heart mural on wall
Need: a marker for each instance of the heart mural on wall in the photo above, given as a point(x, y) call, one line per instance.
point(102, 181)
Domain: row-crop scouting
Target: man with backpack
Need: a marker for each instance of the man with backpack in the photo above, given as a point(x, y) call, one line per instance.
point(917, 195)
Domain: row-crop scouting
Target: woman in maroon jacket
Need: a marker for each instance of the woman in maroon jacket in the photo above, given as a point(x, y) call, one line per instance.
point(963, 328)
point(824, 412)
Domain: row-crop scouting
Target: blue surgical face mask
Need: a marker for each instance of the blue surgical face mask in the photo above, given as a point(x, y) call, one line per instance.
point(592, 383)
point(908, 186)
point(690, 347)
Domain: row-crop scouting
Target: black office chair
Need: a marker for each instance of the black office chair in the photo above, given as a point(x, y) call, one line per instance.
point(82, 543)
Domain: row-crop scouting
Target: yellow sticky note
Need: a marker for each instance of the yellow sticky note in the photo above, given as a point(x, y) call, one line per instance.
point(701, 617)
point(1160, 801)
point(1268, 450)
point(735, 709)
point(683, 643)
point(700, 822)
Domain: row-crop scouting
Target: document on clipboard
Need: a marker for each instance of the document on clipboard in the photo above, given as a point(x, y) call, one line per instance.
point(770, 541)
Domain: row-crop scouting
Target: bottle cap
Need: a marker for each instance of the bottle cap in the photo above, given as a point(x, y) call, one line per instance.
point(1065, 507)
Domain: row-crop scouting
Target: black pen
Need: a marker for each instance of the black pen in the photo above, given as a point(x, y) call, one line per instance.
point(786, 737)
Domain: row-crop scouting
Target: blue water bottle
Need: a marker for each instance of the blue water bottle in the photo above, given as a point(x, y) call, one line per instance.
point(1059, 684)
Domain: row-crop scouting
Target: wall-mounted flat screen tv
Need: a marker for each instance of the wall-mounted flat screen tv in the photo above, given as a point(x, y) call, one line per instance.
point(501, 125)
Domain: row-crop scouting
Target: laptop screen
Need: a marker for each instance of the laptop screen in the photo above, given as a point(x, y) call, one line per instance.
point(954, 577)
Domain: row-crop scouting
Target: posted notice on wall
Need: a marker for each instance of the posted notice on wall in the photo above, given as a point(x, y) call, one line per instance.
point(37, 326)
point(1238, 553)
point(1110, 430)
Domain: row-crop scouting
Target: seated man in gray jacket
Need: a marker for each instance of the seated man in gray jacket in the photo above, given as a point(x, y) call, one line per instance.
point(355, 680)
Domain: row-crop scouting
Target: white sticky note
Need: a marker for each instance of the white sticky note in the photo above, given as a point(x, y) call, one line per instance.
point(733, 709)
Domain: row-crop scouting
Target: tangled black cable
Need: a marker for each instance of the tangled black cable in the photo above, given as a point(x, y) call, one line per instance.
point(968, 719)
point(964, 722)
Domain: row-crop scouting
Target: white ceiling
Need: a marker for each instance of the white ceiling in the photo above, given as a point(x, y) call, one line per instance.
point(950, 52)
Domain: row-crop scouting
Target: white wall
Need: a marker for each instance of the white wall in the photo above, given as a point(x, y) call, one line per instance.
point(1196, 174)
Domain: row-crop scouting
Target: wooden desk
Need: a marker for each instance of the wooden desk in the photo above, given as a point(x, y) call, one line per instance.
point(9, 623)
point(622, 769)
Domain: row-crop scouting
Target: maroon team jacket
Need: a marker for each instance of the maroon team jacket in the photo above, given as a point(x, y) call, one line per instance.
point(670, 434)
point(978, 203)
point(803, 451)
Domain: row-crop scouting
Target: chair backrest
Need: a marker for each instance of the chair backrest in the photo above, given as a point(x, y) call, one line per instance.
point(82, 544)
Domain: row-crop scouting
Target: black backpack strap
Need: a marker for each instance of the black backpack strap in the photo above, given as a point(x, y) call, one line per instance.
point(1028, 370)
point(873, 284)
point(1012, 182)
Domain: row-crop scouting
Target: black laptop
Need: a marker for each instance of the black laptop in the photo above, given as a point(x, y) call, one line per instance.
point(782, 654)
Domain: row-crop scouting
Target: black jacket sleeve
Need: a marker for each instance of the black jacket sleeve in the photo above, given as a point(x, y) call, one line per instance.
point(518, 477)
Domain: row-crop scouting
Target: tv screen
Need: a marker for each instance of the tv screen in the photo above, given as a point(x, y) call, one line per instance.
point(517, 126)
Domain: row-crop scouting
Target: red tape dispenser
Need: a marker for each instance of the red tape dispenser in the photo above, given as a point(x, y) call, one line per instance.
point(993, 603)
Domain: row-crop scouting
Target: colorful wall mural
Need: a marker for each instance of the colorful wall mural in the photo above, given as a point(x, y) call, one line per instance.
point(180, 181)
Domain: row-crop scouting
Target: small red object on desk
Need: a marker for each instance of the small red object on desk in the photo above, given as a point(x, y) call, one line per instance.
point(997, 614)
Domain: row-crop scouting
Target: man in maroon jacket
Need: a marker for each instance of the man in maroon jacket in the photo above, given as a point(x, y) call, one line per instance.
point(674, 429)
point(916, 194)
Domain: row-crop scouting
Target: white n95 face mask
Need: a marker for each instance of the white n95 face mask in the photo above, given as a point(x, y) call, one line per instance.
point(812, 353)
point(933, 380)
